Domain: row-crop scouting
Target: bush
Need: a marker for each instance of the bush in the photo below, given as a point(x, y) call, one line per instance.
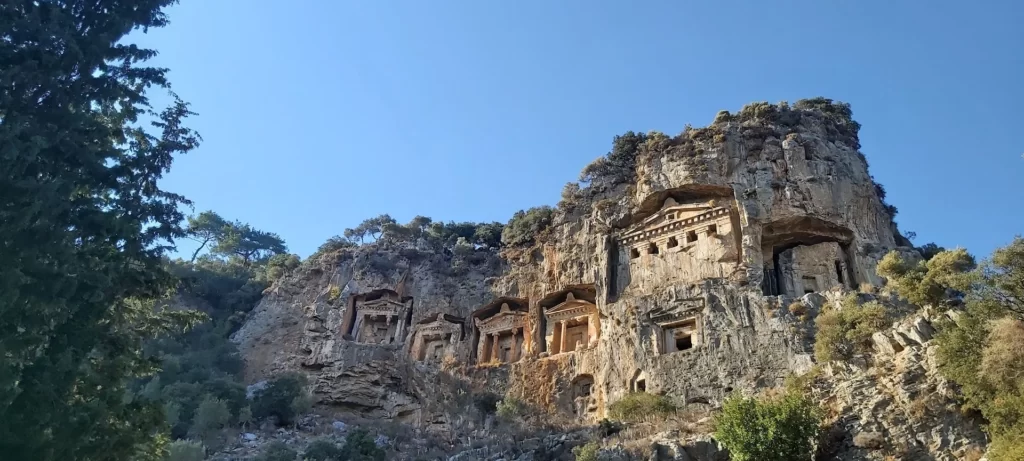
point(927, 282)
point(211, 416)
point(524, 226)
point(723, 116)
point(846, 332)
point(797, 308)
point(185, 450)
point(333, 294)
point(277, 451)
point(783, 429)
point(636, 406)
point(359, 446)
point(279, 397)
point(322, 450)
point(587, 452)
point(511, 407)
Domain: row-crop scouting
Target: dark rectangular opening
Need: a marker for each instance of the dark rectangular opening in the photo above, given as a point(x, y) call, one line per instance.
point(652, 249)
point(810, 284)
point(691, 236)
point(634, 253)
point(839, 273)
point(713, 229)
point(641, 385)
point(672, 242)
point(684, 342)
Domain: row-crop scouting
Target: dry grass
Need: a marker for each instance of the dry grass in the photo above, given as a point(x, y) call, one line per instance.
point(866, 288)
point(1002, 363)
point(797, 308)
point(973, 453)
point(686, 421)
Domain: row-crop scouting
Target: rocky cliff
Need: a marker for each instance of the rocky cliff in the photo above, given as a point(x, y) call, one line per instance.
point(667, 271)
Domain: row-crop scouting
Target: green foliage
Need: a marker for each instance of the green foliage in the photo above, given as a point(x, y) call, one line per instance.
point(280, 264)
point(929, 250)
point(248, 244)
point(244, 417)
point(372, 227)
point(846, 332)
point(636, 406)
point(333, 244)
point(723, 116)
point(278, 399)
point(511, 408)
point(587, 452)
point(277, 451)
point(211, 416)
point(206, 227)
point(84, 226)
point(927, 282)
point(762, 110)
point(983, 350)
point(782, 429)
point(185, 450)
point(617, 167)
point(323, 450)
point(608, 427)
point(333, 293)
point(360, 446)
point(525, 226)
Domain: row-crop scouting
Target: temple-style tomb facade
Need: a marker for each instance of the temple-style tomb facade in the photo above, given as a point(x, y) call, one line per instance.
point(378, 317)
point(500, 330)
point(571, 321)
point(436, 337)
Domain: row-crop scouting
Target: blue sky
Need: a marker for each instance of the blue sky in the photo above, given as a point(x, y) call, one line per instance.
point(323, 113)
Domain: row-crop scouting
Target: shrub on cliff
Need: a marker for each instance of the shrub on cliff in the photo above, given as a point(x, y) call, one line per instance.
point(636, 406)
point(928, 282)
point(277, 451)
point(782, 429)
point(282, 398)
point(510, 408)
point(185, 450)
point(322, 450)
point(587, 452)
point(846, 332)
point(524, 226)
point(360, 446)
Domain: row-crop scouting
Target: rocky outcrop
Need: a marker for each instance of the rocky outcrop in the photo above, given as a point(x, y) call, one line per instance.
point(695, 273)
point(899, 407)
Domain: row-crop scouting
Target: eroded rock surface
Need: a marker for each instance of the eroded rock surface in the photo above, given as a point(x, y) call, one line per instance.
point(677, 281)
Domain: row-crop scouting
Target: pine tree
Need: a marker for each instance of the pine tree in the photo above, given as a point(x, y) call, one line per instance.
point(84, 226)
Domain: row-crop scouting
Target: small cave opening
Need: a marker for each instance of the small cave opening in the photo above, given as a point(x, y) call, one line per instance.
point(684, 342)
point(672, 242)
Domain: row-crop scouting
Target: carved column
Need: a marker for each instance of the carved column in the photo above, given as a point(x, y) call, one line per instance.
point(593, 328)
point(400, 330)
point(482, 347)
point(495, 348)
point(565, 336)
point(516, 344)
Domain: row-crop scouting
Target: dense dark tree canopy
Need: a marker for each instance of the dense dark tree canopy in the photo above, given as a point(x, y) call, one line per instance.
point(83, 226)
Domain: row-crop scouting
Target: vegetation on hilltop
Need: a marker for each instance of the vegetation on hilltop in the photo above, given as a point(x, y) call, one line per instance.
point(983, 349)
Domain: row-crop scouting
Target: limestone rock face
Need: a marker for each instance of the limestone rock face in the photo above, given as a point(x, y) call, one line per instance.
point(900, 406)
point(698, 274)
